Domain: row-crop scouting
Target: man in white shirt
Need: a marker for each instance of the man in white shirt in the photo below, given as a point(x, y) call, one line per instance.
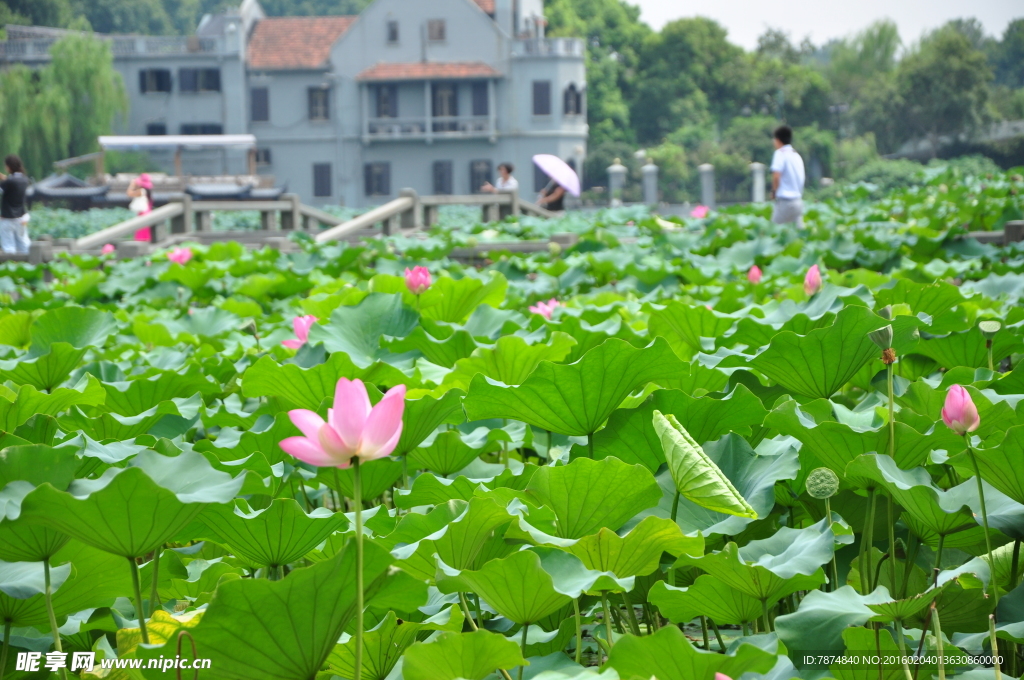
point(787, 179)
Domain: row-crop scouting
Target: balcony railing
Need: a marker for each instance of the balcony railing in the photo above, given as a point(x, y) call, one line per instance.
point(38, 49)
point(548, 47)
point(433, 127)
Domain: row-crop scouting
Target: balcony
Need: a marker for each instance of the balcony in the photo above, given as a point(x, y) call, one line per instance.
point(37, 49)
point(429, 128)
point(548, 47)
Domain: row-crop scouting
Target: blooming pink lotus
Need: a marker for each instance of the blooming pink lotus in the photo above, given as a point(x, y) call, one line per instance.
point(417, 280)
point(545, 309)
point(700, 212)
point(754, 275)
point(180, 255)
point(301, 324)
point(354, 428)
point(959, 413)
point(108, 249)
point(812, 281)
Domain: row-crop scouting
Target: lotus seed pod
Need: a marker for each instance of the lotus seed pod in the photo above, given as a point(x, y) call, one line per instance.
point(822, 483)
point(885, 312)
point(472, 242)
point(882, 337)
point(555, 248)
point(989, 328)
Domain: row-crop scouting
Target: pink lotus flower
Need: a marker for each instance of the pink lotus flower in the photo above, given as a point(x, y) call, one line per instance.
point(700, 212)
point(108, 249)
point(180, 255)
point(959, 413)
point(545, 309)
point(417, 280)
point(301, 324)
point(812, 281)
point(754, 275)
point(722, 676)
point(354, 428)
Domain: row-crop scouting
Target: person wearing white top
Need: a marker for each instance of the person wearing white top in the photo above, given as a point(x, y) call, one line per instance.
point(787, 179)
point(506, 182)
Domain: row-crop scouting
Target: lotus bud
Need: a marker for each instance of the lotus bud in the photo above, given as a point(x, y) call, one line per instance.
point(812, 280)
point(472, 242)
point(822, 483)
point(959, 412)
point(754, 275)
point(886, 312)
point(989, 328)
point(554, 248)
point(882, 337)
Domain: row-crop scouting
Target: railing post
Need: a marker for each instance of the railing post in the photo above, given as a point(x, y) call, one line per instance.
point(187, 213)
point(707, 184)
point(616, 182)
point(412, 218)
point(429, 101)
point(492, 213)
point(650, 172)
point(516, 210)
point(293, 218)
point(1013, 231)
point(432, 212)
point(39, 252)
point(204, 221)
point(757, 177)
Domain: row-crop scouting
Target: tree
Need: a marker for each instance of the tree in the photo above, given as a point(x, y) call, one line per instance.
point(856, 62)
point(944, 86)
point(1010, 55)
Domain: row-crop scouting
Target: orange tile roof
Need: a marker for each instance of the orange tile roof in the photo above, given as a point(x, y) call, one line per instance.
point(486, 5)
point(281, 43)
point(428, 70)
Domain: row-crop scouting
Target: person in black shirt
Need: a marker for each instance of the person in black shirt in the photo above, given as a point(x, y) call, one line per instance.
point(552, 197)
point(13, 215)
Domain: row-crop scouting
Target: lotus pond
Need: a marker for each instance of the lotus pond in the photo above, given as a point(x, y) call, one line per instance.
point(675, 449)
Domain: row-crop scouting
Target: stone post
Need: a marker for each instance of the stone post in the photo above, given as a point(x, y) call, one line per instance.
point(707, 184)
point(757, 177)
point(616, 182)
point(650, 183)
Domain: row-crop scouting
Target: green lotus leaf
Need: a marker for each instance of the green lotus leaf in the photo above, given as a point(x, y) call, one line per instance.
point(696, 476)
point(969, 348)
point(130, 398)
point(517, 587)
point(15, 329)
point(962, 606)
point(428, 489)
point(630, 434)
point(818, 364)
point(572, 578)
point(588, 495)
point(256, 629)
point(684, 326)
point(202, 578)
point(180, 412)
point(376, 477)
point(454, 300)
point(357, 330)
point(1009, 623)
point(80, 327)
point(45, 371)
point(771, 568)
point(1000, 466)
point(668, 655)
point(132, 511)
point(575, 399)
point(38, 464)
point(424, 415)
point(882, 644)
point(461, 656)
point(22, 580)
point(511, 360)
point(274, 536)
point(21, 469)
point(17, 407)
point(588, 336)
point(638, 553)
point(448, 453)
point(706, 597)
point(754, 332)
point(445, 351)
point(384, 644)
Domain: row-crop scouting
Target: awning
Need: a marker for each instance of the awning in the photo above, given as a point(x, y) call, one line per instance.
point(134, 142)
point(429, 70)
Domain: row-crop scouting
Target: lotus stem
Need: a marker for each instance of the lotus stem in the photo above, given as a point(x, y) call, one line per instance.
point(634, 625)
point(357, 493)
point(746, 628)
point(57, 647)
point(866, 540)
point(718, 635)
point(579, 628)
point(835, 569)
point(767, 620)
point(1014, 564)
point(938, 642)
point(704, 632)
point(6, 648)
point(984, 521)
point(915, 544)
point(995, 646)
point(153, 594)
point(522, 645)
point(675, 506)
point(988, 346)
point(892, 545)
point(938, 559)
point(465, 610)
point(607, 620)
point(139, 609)
point(479, 611)
point(590, 444)
point(902, 643)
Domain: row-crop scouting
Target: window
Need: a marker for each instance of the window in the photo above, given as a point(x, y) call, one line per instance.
point(263, 157)
point(542, 97)
point(154, 80)
point(260, 104)
point(443, 178)
point(392, 32)
point(199, 79)
point(318, 103)
point(540, 179)
point(377, 177)
point(481, 99)
point(202, 129)
point(436, 30)
point(387, 101)
point(156, 129)
point(479, 175)
point(573, 101)
point(321, 179)
point(445, 105)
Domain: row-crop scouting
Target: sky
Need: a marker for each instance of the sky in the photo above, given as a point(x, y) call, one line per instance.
point(823, 20)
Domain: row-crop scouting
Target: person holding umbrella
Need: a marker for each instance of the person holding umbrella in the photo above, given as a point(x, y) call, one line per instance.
point(563, 179)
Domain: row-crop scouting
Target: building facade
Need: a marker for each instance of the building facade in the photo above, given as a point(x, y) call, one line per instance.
point(429, 96)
